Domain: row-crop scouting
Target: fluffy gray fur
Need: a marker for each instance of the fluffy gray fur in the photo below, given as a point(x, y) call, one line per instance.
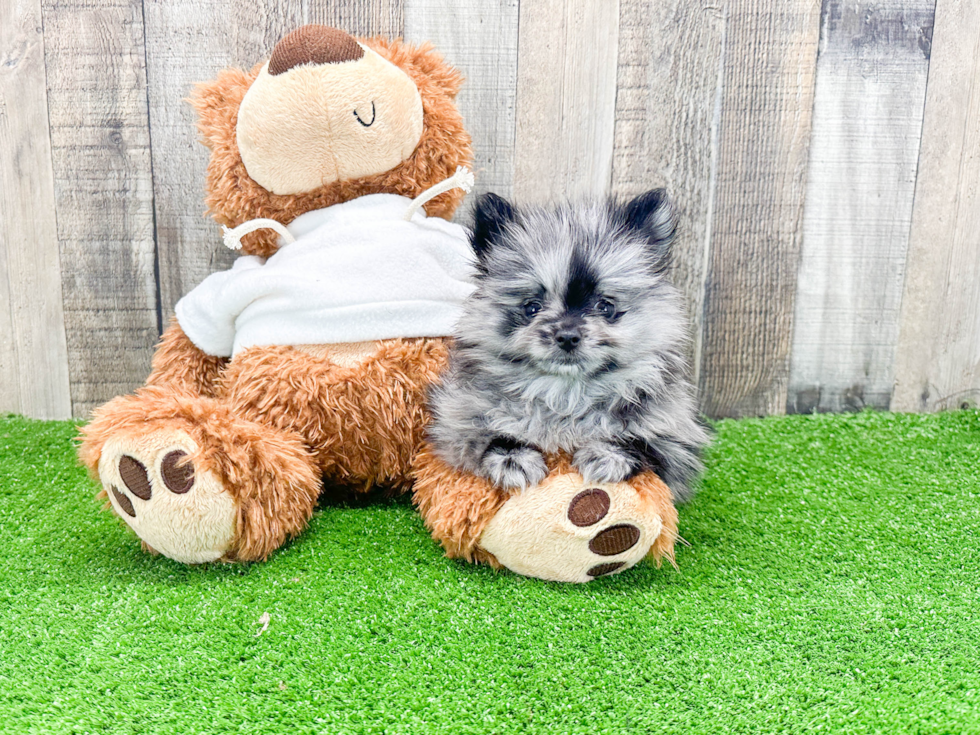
point(572, 341)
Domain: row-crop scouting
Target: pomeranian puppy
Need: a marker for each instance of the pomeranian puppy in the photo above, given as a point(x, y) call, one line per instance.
point(572, 342)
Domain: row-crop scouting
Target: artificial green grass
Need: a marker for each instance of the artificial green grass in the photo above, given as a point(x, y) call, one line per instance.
point(831, 584)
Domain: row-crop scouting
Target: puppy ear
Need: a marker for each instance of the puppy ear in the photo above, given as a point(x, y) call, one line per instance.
point(491, 216)
point(652, 216)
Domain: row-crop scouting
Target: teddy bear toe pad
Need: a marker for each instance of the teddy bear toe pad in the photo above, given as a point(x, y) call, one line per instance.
point(565, 531)
point(182, 512)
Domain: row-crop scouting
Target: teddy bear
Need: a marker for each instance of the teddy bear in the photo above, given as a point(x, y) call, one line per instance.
point(335, 168)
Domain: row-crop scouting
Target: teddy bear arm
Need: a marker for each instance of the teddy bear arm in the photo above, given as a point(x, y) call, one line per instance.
point(178, 364)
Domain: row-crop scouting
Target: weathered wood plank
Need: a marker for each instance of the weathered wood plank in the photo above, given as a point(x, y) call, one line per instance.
point(667, 113)
point(566, 98)
point(478, 37)
point(769, 62)
point(361, 18)
point(938, 357)
point(33, 349)
point(92, 381)
point(103, 191)
point(867, 119)
point(188, 42)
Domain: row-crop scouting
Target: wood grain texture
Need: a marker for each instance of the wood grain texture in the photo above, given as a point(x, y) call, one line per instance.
point(938, 357)
point(669, 84)
point(100, 145)
point(867, 119)
point(360, 18)
point(478, 37)
point(770, 58)
point(566, 98)
point(33, 349)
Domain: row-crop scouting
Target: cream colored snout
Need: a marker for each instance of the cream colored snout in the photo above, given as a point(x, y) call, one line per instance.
point(318, 123)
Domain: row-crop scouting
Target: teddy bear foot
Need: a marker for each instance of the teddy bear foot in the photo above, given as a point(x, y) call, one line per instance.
point(179, 510)
point(566, 531)
point(196, 482)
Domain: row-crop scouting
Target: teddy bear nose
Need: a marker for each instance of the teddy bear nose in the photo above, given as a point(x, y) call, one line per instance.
point(313, 44)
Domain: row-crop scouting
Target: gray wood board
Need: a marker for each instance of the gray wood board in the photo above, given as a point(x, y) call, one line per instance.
point(756, 229)
point(566, 98)
point(478, 37)
point(867, 119)
point(100, 144)
point(668, 107)
point(938, 355)
point(361, 18)
point(33, 348)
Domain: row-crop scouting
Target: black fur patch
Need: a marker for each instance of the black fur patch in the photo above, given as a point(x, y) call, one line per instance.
point(655, 455)
point(628, 411)
point(490, 218)
point(501, 444)
point(510, 320)
point(643, 455)
point(651, 215)
point(610, 366)
point(582, 283)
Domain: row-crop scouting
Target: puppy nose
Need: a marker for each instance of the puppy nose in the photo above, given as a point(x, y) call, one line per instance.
point(568, 339)
point(313, 44)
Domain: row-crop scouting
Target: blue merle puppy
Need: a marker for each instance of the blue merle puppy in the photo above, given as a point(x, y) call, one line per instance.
point(572, 342)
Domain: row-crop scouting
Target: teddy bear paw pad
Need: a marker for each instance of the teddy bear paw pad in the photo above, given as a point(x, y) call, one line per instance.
point(182, 511)
point(563, 532)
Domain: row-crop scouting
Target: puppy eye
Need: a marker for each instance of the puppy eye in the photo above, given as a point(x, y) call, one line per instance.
point(606, 308)
point(531, 308)
point(361, 121)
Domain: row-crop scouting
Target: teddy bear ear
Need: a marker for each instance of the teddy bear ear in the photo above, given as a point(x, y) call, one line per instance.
point(425, 59)
point(216, 103)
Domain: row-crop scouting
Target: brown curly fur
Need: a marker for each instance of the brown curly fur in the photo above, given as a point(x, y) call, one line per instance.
point(359, 426)
point(233, 197)
point(363, 424)
point(456, 507)
point(270, 473)
point(179, 365)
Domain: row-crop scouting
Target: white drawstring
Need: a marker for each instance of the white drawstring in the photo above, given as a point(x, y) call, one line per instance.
point(462, 179)
point(233, 237)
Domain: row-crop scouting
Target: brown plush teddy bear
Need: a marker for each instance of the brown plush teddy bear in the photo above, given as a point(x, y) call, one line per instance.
point(309, 361)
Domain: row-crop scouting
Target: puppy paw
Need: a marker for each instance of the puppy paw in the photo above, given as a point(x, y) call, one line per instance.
point(602, 462)
point(513, 468)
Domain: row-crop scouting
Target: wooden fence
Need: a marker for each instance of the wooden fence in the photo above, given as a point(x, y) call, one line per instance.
point(825, 158)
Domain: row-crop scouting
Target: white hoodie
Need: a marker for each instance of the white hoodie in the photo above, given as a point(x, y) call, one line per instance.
point(357, 271)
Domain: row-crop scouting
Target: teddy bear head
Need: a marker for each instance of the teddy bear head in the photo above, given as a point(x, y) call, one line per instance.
point(325, 119)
